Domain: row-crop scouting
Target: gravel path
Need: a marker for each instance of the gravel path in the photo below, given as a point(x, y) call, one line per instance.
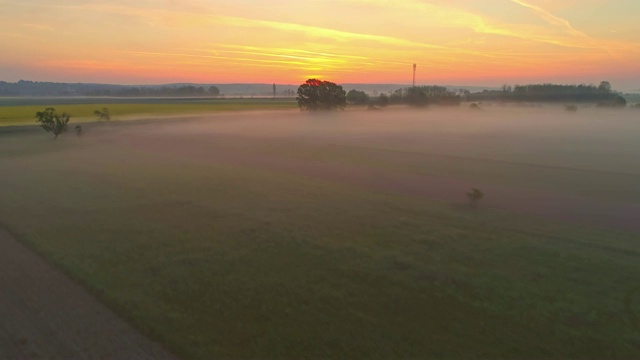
point(45, 315)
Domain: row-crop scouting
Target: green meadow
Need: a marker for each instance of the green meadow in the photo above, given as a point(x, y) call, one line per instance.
point(289, 235)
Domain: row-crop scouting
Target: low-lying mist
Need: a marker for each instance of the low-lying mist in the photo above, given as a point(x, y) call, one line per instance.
point(538, 159)
point(592, 138)
point(346, 234)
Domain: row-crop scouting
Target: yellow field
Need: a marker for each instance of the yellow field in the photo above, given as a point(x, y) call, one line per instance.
point(83, 112)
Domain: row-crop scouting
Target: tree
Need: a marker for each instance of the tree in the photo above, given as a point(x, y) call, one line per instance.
point(416, 96)
point(617, 102)
point(605, 87)
point(213, 90)
point(620, 102)
point(51, 121)
point(474, 196)
point(355, 97)
point(321, 95)
point(383, 100)
point(103, 115)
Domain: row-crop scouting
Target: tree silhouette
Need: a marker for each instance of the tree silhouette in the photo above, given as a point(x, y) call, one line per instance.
point(383, 100)
point(605, 87)
point(315, 95)
point(53, 122)
point(355, 97)
point(213, 90)
point(474, 196)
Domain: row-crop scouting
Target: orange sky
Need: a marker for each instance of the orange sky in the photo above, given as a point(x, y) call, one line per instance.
point(458, 42)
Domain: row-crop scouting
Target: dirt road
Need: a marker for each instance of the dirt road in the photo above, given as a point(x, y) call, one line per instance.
point(45, 315)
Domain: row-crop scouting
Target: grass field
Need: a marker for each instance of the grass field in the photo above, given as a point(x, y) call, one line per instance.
point(21, 111)
point(289, 235)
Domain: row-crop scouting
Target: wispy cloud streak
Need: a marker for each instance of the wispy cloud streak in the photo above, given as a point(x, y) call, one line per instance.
point(558, 21)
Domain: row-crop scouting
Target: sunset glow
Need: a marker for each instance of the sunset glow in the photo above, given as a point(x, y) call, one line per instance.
point(464, 42)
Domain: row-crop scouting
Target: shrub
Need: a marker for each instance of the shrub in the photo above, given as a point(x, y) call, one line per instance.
point(103, 115)
point(474, 196)
point(571, 108)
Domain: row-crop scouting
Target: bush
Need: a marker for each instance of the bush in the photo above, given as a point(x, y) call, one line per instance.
point(474, 196)
point(571, 108)
point(103, 115)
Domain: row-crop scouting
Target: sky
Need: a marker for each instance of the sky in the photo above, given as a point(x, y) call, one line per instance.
point(453, 42)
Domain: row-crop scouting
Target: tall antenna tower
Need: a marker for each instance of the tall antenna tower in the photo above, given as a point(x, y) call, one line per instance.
point(414, 75)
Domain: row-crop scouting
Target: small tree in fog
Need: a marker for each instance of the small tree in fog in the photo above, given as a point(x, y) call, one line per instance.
point(213, 90)
point(103, 115)
point(53, 122)
point(355, 97)
point(474, 196)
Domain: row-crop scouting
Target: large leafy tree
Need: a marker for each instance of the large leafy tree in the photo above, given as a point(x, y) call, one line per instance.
point(321, 95)
point(51, 121)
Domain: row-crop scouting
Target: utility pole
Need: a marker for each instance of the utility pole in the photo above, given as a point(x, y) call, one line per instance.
point(414, 75)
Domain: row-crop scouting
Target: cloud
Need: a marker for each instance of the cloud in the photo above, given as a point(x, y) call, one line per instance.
point(560, 22)
point(551, 19)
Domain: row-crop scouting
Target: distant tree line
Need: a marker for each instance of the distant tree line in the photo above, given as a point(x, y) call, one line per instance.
point(602, 94)
point(425, 95)
point(35, 88)
point(414, 96)
point(187, 90)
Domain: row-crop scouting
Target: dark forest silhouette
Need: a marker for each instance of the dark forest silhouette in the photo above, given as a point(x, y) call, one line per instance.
point(603, 94)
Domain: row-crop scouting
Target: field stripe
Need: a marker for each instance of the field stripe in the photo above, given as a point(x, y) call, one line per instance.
point(43, 314)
